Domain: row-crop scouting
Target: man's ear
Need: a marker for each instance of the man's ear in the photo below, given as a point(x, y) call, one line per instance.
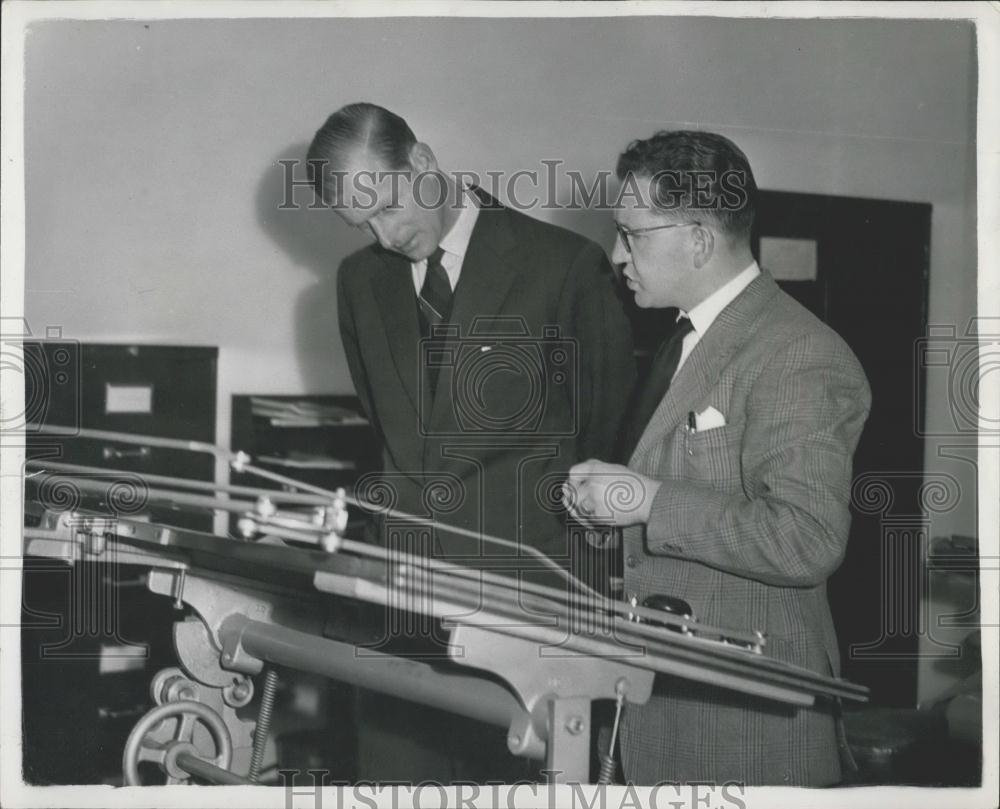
point(703, 242)
point(422, 158)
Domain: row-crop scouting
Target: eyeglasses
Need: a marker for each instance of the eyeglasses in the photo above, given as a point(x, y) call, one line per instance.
point(624, 233)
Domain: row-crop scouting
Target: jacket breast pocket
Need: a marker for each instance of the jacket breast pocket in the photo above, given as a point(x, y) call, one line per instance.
point(714, 456)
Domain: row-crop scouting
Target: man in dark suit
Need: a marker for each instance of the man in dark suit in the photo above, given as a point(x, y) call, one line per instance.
point(741, 470)
point(490, 352)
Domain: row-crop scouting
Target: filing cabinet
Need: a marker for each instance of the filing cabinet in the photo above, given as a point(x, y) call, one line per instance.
point(92, 635)
point(164, 391)
point(322, 440)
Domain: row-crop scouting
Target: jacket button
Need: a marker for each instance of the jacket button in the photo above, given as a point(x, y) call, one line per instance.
point(631, 561)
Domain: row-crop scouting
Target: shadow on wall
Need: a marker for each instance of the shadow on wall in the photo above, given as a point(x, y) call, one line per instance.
point(596, 224)
point(317, 239)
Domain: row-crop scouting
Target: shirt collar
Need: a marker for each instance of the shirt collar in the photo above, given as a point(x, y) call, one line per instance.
point(456, 241)
point(704, 314)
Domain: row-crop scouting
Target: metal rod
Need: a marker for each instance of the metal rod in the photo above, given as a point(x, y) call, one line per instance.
point(541, 608)
point(131, 438)
point(313, 537)
point(648, 647)
point(452, 530)
point(482, 578)
point(276, 495)
point(651, 642)
point(193, 765)
point(742, 675)
point(463, 694)
point(240, 462)
point(161, 495)
point(275, 477)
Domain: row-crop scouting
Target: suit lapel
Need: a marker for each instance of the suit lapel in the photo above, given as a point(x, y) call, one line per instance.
point(488, 273)
point(392, 284)
point(702, 369)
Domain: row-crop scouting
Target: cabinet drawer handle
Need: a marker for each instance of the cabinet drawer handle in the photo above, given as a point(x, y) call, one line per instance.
point(112, 453)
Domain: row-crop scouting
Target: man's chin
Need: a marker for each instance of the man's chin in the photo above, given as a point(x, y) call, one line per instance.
point(409, 255)
point(414, 253)
point(645, 301)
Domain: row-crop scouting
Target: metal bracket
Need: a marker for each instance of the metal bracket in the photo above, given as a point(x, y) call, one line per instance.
point(556, 691)
point(77, 536)
point(202, 652)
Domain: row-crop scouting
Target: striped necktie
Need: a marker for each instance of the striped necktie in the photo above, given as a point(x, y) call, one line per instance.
point(435, 295)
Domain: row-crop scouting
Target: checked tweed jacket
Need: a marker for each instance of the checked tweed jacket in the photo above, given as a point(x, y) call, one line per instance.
point(750, 522)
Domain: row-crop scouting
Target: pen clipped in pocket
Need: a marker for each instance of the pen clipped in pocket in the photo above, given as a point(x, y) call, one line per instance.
point(714, 454)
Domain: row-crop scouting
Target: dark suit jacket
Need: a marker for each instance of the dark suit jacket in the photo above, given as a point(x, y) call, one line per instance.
point(750, 522)
point(534, 379)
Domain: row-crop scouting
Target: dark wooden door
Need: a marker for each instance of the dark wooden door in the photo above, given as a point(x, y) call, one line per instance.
point(869, 280)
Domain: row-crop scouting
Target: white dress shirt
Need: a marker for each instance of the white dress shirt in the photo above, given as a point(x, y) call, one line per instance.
point(705, 313)
point(454, 243)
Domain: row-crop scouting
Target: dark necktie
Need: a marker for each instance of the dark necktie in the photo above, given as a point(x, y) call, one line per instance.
point(434, 303)
point(435, 295)
point(647, 398)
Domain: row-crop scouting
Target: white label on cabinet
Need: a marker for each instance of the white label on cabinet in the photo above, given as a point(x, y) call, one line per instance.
point(121, 658)
point(128, 398)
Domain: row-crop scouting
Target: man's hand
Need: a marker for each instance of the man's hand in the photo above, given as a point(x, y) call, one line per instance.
point(598, 493)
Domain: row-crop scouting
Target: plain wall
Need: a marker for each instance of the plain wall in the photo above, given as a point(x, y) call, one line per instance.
point(152, 146)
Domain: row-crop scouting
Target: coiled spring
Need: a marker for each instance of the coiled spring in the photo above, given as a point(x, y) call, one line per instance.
point(263, 722)
point(607, 770)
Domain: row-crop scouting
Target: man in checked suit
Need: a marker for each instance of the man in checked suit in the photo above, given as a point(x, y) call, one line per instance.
point(741, 471)
point(478, 427)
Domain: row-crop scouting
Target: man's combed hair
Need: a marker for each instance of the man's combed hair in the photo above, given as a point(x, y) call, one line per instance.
point(698, 175)
point(373, 128)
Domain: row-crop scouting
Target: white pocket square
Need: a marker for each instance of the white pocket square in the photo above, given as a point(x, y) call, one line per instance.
point(708, 419)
